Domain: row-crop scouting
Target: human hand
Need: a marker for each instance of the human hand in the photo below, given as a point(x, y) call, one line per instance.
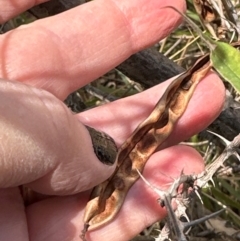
point(46, 148)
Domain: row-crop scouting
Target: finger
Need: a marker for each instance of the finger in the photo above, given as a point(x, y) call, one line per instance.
point(65, 52)
point(43, 144)
point(140, 208)
point(11, 8)
point(12, 219)
point(121, 117)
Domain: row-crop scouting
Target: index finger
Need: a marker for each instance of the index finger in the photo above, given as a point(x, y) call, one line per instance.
point(65, 52)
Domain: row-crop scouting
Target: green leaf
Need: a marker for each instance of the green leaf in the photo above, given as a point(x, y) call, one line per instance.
point(226, 61)
point(233, 190)
point(228, 201)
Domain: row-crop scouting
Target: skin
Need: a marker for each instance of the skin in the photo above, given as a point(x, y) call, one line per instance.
point(47, 148)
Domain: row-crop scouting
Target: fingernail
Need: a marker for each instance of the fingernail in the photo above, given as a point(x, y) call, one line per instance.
point(103, 145)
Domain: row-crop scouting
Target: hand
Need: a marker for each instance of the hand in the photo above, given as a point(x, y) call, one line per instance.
point(46, 148)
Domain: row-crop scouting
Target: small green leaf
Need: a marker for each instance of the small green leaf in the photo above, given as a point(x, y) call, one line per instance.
point(226, 61)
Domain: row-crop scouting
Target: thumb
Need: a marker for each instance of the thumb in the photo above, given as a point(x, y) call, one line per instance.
point(44, 145)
